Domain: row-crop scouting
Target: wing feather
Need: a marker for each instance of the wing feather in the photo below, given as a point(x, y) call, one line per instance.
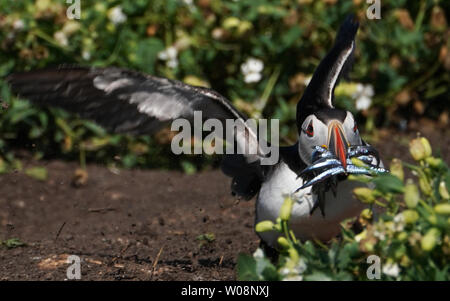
point(126, 101)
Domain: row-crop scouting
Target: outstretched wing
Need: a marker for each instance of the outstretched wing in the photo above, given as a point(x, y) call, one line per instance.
point(126, 101)
point(121, 100)
point(320, 91)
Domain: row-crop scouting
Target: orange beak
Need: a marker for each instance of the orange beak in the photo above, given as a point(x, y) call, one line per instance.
point(337, 143)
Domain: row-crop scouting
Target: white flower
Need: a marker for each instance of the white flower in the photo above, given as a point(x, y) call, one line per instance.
point(116, 15)
point(391, 269)
point(361, 236)
point(252, 69)
point(61, 38)
point(300, 267)
point(18, 25)
point(293, 278)
point(167, 54)
point(259, 254)
point(170, 56)
point(252, 78)
point(173, 63)
point(70, 27)
point(399, 221)
point(363, 96)
point(379, 234)
point(252, 65)
point(86, 55)
point(188, 2)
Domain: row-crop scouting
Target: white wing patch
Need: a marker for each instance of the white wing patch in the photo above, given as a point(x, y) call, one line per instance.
point(158, 105)
point(340, 64)
point(105, 84)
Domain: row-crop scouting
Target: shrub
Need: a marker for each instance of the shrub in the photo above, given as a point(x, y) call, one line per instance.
point(411, 237)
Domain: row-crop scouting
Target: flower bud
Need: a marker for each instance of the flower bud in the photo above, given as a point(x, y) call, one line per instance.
point(264, 226)
point(410, 216)
point(432, 219)
point(402, 236)
point(425, 186)
point(42, 5)
point(243, 27)
point(286, 208)
point(443, 191)
point(443, 209)
point(369, 246)
point(405, 261)
point(429, 241)
point(367, 214)
point(70, 27)
point(283, 242)
point(293, 254)
point(411, 194)
point(396, 169)
point(364, 194)
point(420, 148)
point(434, 162)
point(426, 146)
point(231, 22)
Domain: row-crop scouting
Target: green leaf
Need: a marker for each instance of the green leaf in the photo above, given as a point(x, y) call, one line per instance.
point(188, 167)
point(346, 254)
point(246, 268)
point(266, 270)
point(388, 184)
point(147, 53)
point(208, 237)
point(35, 132)
point(318, 276)
point(291, 36)
point(38, 173)
point(13, 243)
point(95, 128)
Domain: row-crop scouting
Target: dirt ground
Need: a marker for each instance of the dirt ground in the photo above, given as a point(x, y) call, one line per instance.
point(138, 224)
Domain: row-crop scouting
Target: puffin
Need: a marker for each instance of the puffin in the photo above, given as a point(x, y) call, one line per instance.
point(313, 171)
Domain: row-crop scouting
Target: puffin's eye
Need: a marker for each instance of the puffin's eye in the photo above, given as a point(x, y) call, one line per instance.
point(310, 130)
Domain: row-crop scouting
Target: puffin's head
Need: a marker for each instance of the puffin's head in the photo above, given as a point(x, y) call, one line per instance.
point(318, 122)
point(333, 129)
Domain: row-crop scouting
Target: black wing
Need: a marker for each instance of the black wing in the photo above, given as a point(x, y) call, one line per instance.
point(320, 91)
point(125, 101)
point(121, 100)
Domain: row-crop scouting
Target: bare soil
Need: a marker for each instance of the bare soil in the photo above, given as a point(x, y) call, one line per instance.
point(138, 224)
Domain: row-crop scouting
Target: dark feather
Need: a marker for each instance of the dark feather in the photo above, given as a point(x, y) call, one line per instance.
point(125, 101)
point(320, 91)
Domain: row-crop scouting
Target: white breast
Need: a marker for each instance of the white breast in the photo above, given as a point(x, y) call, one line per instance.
point(305, 226)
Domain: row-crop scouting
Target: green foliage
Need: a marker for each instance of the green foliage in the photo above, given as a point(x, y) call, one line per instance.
point(12, 243)
point(403, 54)
point(411, 236)
point(39, 173)
point(206, 238)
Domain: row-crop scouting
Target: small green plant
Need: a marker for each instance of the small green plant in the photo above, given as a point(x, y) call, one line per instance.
point(12, 243)
point(206, 238)
point(38, 173)
point(411, 237)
